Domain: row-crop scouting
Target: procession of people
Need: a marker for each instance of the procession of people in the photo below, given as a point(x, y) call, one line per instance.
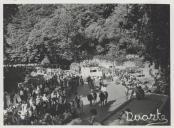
point(56, 100)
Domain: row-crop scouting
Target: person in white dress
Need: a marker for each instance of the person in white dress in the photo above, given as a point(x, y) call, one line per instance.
point(44, 98)
point(103, 88)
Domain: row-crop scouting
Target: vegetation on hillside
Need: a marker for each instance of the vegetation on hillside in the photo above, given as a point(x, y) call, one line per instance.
point(71, 33)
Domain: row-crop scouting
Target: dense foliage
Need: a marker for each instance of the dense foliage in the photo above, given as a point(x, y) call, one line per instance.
point(64, 32)
point(70, 33)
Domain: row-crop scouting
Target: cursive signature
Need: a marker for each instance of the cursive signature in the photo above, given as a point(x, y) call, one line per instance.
point(151, 119)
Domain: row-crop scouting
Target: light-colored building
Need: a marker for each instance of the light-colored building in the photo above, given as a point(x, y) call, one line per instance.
point(91, 71)
point(104, 63)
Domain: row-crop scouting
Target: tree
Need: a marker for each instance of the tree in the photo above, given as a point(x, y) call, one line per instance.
point(152, 26)
point(67, 33)
point(9, 10)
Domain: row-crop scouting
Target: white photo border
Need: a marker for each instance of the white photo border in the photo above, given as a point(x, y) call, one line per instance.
point(171, 2)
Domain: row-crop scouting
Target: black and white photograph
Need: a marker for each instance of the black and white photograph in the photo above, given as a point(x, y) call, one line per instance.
point(86, 64)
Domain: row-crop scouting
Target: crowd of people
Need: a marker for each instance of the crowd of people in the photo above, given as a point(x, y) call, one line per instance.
point(133, 86)
point(55, 101)
point(48, 102)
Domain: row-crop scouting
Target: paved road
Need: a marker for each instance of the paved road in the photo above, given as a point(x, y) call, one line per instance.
point(151, 104)
point(116, 98)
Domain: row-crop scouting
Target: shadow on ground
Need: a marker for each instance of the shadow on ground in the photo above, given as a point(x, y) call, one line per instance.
point(102, 112)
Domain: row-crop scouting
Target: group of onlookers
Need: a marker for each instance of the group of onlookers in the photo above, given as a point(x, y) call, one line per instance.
point(133, 86)
point(54, 101)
